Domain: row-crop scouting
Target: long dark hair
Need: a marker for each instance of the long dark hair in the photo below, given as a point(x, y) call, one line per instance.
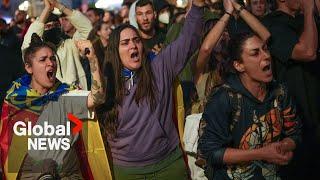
point(235, 50)
point(108, 112)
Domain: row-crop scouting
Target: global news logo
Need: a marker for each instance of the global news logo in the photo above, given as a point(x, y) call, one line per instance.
point(48, 136)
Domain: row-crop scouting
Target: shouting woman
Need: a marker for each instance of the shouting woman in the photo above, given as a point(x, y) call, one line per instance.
point(40, 99)
point(249, 125)
point(137, 118)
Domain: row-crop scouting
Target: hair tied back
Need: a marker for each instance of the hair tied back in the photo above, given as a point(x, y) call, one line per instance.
point(36, 40)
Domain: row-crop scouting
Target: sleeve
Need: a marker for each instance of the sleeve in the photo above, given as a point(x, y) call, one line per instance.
point(291, 121)
point(76, 104)
point(82, 25)
point(36, 27)
point(282, 42)
point(215, 136)
point(173, 58)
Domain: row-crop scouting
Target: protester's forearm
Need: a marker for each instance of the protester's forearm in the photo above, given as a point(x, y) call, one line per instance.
point(309, 36)
point(315, 32)
point(236, 156)
point(97, 85)
point(253, 23)
point(208, 44)
point(317, 3)
point(44, 15)
point(64, 9)
point(215, 33)
point(82, 24)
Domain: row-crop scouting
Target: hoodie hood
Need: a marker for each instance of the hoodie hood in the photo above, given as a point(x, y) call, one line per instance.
point(236, 85)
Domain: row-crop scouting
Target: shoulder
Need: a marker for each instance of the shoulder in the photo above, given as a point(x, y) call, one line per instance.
point(219, 97)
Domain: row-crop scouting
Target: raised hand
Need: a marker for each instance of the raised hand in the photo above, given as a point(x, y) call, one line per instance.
point(48, 6)
point(235, 4)
point(228, 6)
point(54, 3)
point(85, 48)
point(157, 48)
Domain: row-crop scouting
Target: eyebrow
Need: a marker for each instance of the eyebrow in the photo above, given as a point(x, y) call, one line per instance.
point(45, 56)
point(128, 39)
point(258, 48)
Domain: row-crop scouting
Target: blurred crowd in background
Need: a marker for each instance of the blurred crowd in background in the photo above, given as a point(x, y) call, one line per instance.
point(160, 23)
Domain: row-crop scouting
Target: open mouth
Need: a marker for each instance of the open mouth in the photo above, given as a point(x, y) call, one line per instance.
point(51, 75)
point(146, 24)
point(267, 68)
point(135, 56)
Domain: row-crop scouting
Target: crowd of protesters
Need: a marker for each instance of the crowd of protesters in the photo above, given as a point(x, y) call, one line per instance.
point(245, 73)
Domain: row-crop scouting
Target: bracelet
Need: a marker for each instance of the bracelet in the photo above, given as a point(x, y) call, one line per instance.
point(240, 9)
point(62, 8)
point(228, 13)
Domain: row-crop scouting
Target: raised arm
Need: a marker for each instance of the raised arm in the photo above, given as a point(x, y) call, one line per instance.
point(211, 40)
point(37, 26)
point(77, 19)
point(98, 90)
point(306, 48)
point(252, 21)
point(175, 55)
point(317, 3)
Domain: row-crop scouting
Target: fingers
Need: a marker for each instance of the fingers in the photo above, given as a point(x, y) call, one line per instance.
point(276, 153)
point(157, 48)
point(82, 44)
point(284, 159)
point(85, 48)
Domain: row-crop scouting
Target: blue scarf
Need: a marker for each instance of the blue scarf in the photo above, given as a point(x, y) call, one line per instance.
point(23, 96)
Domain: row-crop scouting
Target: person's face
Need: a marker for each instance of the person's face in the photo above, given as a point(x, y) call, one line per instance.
point(145, 18)
point(130, 49)
point(105, 31)
point(66, 24)
point(124, 11)
point(92, 17)
point(42, 69)
point(258, 7)
point(20, 16)
point(256, 61)
point(293, 5)
point(107, 17)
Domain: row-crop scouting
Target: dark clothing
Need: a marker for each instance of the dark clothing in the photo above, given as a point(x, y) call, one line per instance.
point(285, 32)
point(158, 38)
point(257, 124)
point(237, 26)
point(17, 31)
point(11, 65)
point(302, 80)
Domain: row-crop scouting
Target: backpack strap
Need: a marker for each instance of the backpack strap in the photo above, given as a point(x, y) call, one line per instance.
point(279, 94)
point(236, 103)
